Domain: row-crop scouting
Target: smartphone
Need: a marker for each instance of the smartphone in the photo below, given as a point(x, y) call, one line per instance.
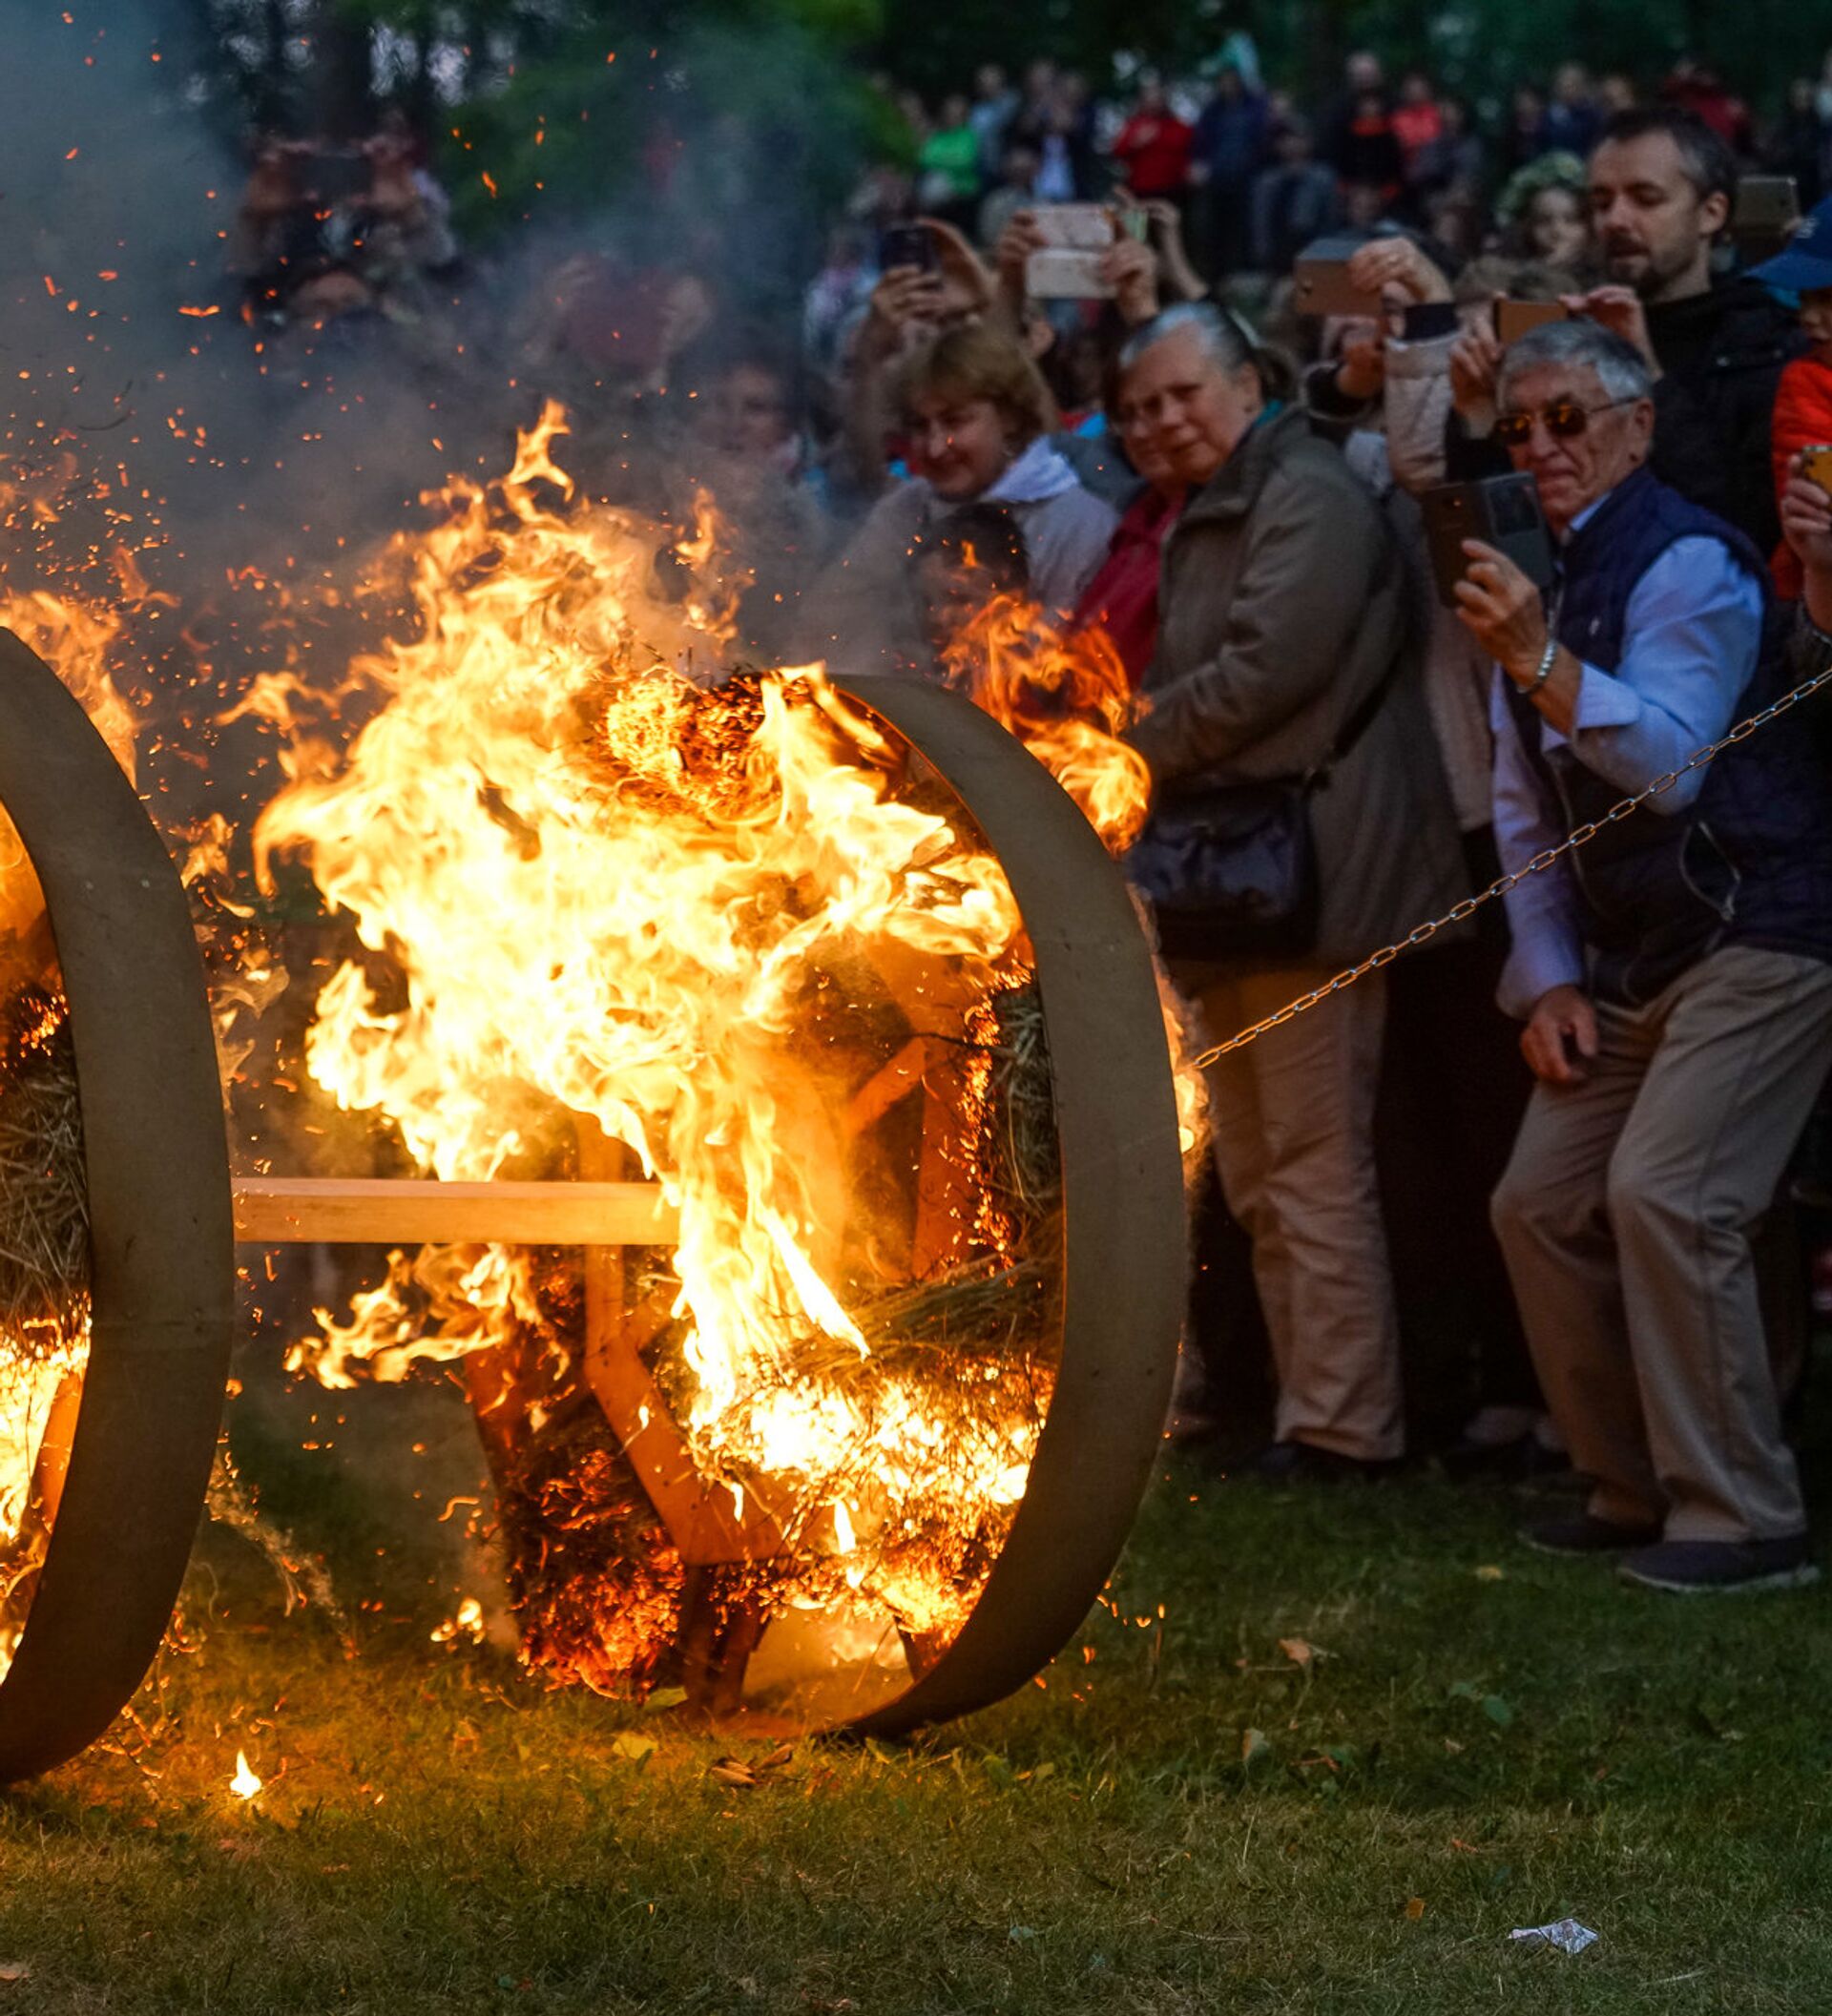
point(1768, 209)
point(1321, 284)
point(1816, 465)
point(1767, 203)
point(1503, 512)
point(908, 245)
point(1515, 318)
point(1076, 239)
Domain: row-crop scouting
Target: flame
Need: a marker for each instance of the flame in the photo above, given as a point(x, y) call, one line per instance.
point(469, 1623)
point(623, 904)
point(632, 895)
point(244, 1784)
point(1064, 695)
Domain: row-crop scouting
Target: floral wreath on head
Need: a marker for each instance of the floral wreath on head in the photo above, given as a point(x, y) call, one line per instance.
point(1551, 171)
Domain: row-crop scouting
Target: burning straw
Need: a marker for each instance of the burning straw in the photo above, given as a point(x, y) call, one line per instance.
point(44, 1197)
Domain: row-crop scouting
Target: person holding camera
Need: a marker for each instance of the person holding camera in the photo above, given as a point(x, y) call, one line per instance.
point(1662, 185)
point(1287, 726)
point(1675, 975)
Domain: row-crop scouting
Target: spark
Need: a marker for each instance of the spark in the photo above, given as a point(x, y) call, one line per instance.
point(244, 1784)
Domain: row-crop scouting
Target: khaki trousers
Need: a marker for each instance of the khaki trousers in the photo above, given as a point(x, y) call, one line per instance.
point(1625, 1215)
point(1293, 1144)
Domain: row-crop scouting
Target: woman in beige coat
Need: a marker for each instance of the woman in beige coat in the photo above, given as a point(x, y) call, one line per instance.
point(1284, 609)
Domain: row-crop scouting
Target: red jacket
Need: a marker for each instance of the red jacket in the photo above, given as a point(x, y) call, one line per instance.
point(1154, 148)
point(1802, 419)
point(1122, 597)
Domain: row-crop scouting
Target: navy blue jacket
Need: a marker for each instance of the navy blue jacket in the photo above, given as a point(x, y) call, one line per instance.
point(1750, 860)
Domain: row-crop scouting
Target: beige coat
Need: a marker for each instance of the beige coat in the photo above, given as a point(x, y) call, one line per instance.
point(1284, 600)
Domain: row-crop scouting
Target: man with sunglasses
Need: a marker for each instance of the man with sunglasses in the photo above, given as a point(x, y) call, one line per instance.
point(1662, 185)
point(1675, 976)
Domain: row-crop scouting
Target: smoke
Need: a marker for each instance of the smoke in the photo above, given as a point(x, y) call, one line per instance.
point(127, 371)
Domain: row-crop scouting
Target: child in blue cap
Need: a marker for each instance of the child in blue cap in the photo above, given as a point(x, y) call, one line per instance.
point(1804, 403)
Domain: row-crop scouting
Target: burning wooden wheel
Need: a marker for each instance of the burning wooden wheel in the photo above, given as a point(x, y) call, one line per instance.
point(1057, 1489)
point(1124, 1270)
point(111, 1403)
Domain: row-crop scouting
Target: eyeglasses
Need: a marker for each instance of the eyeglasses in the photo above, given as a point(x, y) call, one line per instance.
point(1565, 421)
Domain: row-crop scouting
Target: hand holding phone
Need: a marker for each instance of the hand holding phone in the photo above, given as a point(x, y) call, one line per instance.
point(908, 245)
point(1321, 284)
point(1074, 237)
point(1500, 512)
point(1816, 465)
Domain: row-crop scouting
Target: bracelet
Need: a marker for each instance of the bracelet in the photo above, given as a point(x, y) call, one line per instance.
point(1543, 671)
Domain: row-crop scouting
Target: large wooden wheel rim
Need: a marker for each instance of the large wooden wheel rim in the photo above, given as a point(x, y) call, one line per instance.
point(1124, 1250)
point(163, 1257)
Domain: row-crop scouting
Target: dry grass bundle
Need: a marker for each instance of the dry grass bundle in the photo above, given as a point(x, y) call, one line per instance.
point(43, 1195)
point(601, 1595)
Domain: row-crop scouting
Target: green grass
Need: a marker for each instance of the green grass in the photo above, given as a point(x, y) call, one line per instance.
point(1469, 1751)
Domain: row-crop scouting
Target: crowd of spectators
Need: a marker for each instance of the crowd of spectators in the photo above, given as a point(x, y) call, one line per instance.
point(327, 229)
point(1543, 1174)
point(1559, 1150)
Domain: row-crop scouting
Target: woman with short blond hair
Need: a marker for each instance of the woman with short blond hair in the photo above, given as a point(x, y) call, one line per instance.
point(976, 414)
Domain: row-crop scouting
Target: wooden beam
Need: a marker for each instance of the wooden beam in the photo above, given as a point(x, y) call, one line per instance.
point(343, 1211)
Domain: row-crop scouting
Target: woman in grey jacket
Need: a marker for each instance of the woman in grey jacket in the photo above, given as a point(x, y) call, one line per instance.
point(977, 411)
point(1285, 608)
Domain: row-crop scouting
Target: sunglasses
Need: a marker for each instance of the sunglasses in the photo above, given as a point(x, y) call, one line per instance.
point(1565, 421)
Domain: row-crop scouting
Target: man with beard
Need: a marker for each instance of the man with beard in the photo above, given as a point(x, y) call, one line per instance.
point(1662, 184)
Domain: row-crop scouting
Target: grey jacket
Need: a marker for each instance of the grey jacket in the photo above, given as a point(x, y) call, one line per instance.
point(1284, 600)
point(865, 612)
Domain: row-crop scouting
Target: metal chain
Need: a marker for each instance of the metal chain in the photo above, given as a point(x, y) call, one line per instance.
point(1422, 934)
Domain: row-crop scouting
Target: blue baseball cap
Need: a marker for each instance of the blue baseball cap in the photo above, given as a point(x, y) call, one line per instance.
point(1808, 262)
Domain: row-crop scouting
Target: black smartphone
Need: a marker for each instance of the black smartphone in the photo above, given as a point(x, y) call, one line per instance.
point(1502, 511)
point(908, 245)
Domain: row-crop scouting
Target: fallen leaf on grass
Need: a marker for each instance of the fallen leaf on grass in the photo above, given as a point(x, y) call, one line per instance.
point(1299, 1652)
point(732, 1771)
point(14, 1970)
point(1254, 1746)
point(634, 1747)
point(1415, 1908)
point(1489, 1574)
point(664, 1697)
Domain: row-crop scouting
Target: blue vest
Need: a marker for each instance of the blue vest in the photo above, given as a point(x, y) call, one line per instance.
point(1750, 860)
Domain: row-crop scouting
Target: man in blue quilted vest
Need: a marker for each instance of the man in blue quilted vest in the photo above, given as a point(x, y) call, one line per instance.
point(1674, 977)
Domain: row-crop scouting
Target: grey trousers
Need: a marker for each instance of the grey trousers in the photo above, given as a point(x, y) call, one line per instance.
point(1294, 1145)
point(1625, 1215)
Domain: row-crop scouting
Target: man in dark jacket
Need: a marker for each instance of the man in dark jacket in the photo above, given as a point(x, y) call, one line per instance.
point(1662, 184)
point(1675, 978)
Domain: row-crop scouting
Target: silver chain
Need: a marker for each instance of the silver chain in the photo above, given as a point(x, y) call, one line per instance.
point(1423, 933)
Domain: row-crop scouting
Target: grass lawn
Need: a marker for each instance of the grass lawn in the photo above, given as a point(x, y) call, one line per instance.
point(1479, 1738)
